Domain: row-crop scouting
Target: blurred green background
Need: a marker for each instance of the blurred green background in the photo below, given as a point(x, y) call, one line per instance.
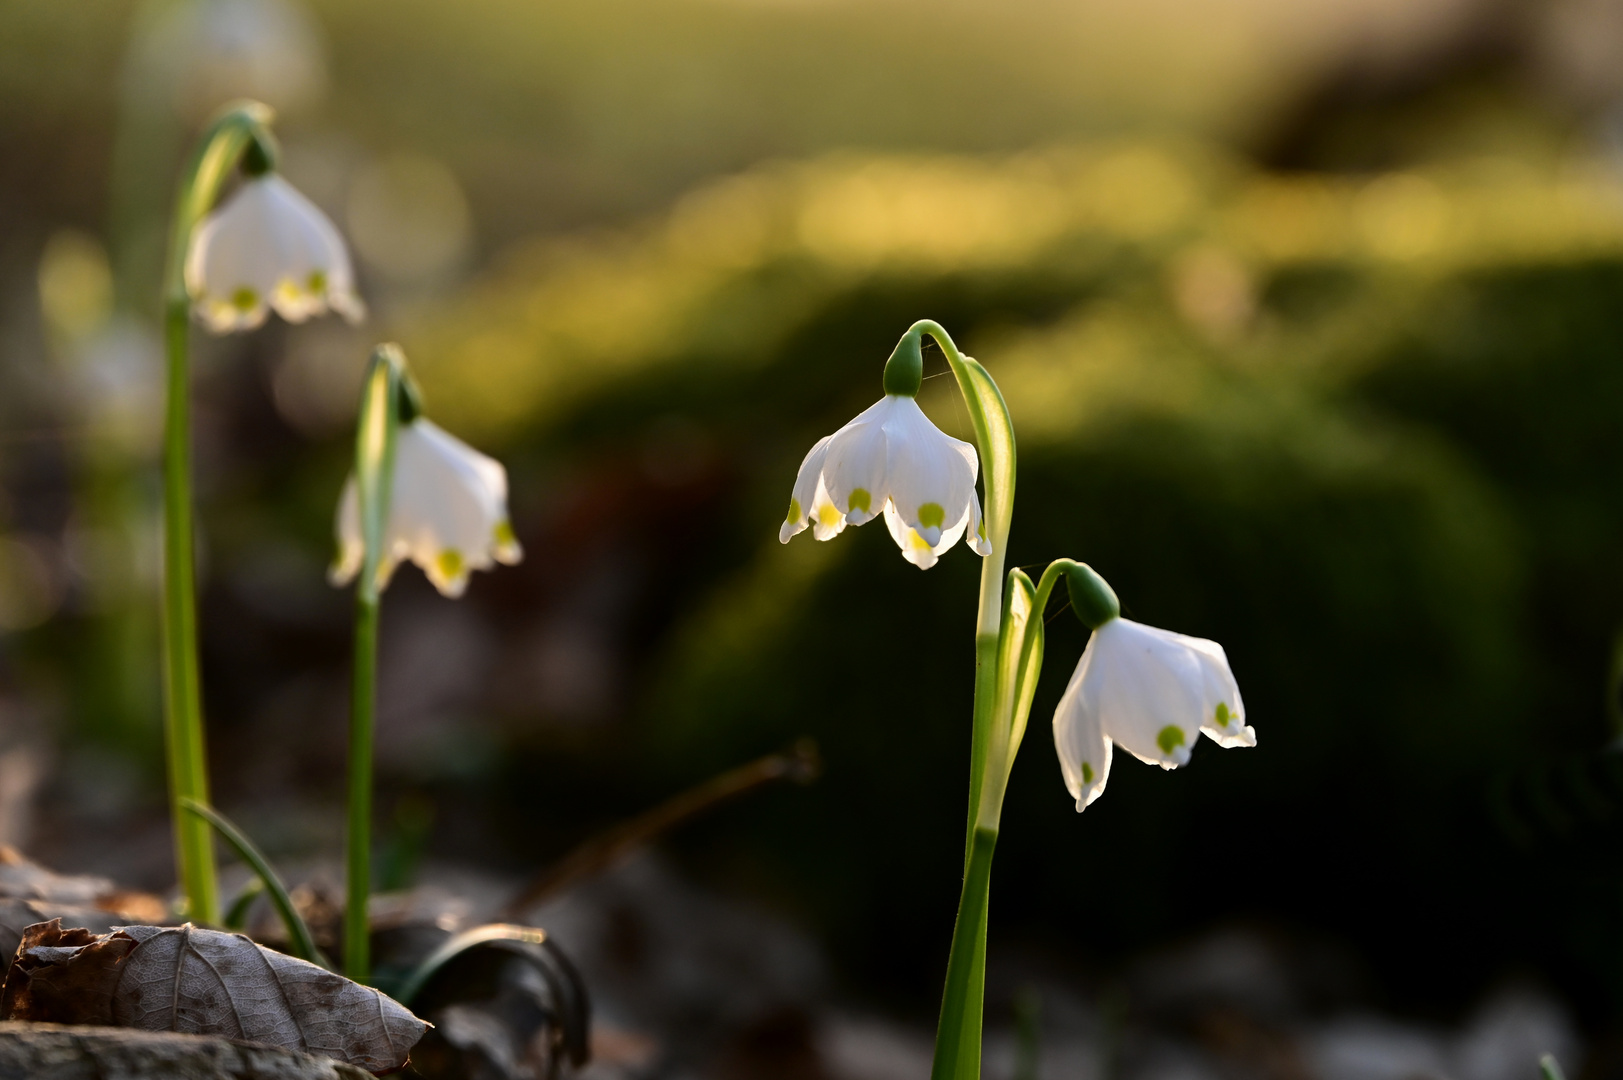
point(1310, 319)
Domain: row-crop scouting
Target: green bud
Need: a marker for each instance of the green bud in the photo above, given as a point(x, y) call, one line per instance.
point(1092, 598)
point(904, 371)
point(259, 156)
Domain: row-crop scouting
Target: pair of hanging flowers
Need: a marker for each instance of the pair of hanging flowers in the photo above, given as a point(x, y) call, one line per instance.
point(1150, 691)
point(268, 247)
point(417, 492)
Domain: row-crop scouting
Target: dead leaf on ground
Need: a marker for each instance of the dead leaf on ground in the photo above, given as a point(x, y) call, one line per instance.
point(30, 894)
point(204, 982)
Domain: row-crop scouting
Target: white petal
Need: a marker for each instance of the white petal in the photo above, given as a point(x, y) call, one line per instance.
point(1150, 688)
point(929, 477)
point(805, 491)
point(827, 521)
point(854, 470)
point(975, 536)
point(267, 246)
point(1224, 711)
point(1084, 751)
point(914, 548)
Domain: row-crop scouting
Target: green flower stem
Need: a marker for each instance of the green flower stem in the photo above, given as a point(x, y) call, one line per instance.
point(221, 148)
point(382, 396)
point(958, 1036)
point(357, 927)
point(994, 437)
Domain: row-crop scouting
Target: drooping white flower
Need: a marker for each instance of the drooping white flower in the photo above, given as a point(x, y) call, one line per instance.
point(1152, 692)
point(447, 512)
point(268, 247)
point(891, 459)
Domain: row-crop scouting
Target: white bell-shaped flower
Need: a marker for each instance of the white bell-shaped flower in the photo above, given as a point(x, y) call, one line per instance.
point(891, 459)
point(1151, 691)
point(447, 512)
point(268, 247)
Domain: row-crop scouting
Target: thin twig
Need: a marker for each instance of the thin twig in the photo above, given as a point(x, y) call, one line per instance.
point(800, 764)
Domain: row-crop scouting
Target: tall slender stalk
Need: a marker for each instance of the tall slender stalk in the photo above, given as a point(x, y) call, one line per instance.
point(222, 146)
point(958, 1035)
point(362, 717)
point(382, 396)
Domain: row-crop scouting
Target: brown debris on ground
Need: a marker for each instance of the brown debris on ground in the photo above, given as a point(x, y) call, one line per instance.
point(191, 980)
point(57, 1052)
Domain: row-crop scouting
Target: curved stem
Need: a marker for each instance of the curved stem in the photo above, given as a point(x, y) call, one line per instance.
point(218, 152)
point(994, 438)
point(958, 1036)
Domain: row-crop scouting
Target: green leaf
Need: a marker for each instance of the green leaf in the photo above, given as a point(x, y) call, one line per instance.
point(299, 936)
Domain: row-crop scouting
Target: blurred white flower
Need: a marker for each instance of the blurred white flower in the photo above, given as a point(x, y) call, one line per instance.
point(891, 458)
point(1152, 691)
point(268, 247)
point(447, 512)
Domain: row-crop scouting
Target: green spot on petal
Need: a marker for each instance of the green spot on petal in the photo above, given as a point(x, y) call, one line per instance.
point(317, 282)
point(931, 514)
point(449, 564)
point(1087, 773)
point(503, 534)
point(1223, 715)
point(1169, 738)
point(244, 299)
point(829, 515)
point(860, 500)
point(981, 529)
point(794, 511)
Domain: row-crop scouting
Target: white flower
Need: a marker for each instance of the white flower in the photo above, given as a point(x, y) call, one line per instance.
point(1152, 691)
point(268, 246)
point(447, 512)
point(891, 458)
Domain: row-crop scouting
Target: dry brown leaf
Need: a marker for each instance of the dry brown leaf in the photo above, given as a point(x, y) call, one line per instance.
point(17, 915)
point(205, 982)
point(30, 894)
point(64, 973)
